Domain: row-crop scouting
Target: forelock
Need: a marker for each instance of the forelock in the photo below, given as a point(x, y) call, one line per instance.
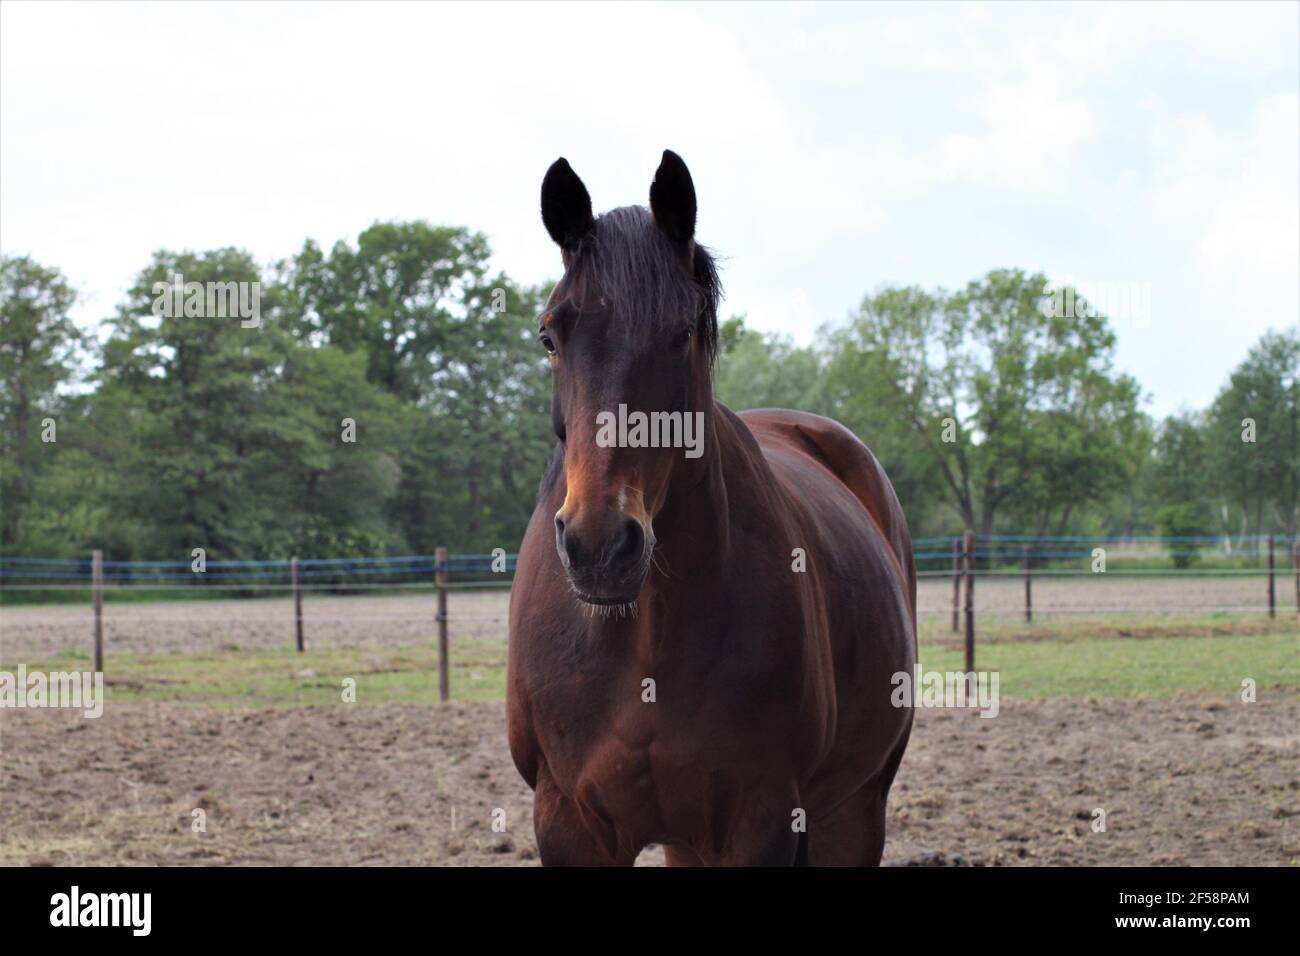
point(640, 274)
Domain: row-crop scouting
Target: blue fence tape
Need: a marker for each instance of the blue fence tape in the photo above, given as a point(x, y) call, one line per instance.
point(145, 572)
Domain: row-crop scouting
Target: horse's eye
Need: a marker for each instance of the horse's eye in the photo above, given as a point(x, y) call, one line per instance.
point(547, 342)
point(683, 337)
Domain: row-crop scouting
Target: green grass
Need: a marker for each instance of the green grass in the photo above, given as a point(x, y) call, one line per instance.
point(1060, 667)
point(1129, 667)
point(1010, 625)
point(1121, 559)
point(278, 677)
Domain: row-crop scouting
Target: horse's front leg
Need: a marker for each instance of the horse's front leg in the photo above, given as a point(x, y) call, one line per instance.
point(569, 835)
point(766, 830)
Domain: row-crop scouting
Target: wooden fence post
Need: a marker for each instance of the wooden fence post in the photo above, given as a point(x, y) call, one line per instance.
point(97, 596)
point(1272, 589)
point(295, 576)
point(1029, 595)
point(956, 582)
point(1295, 566)
point(970, 601)
point(444, 672)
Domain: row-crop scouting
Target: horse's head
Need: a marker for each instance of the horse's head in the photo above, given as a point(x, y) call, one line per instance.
point(632, 330)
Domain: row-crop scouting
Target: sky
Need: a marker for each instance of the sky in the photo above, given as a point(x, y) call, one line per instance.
point(1149, 152)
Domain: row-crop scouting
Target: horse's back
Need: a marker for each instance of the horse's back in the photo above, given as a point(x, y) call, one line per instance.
point(828, 443)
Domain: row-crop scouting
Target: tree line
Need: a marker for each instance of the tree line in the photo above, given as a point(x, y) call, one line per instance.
point(992, 413)
point(390, 396)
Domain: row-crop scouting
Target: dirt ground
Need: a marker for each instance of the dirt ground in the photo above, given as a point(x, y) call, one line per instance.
point(1187, 781)
point(392, 617)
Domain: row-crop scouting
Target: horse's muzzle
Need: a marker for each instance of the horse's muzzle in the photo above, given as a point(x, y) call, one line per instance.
point(605, 565)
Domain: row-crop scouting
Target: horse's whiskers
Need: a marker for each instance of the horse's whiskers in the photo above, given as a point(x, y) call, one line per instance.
point(604, 610)
point(658, 565)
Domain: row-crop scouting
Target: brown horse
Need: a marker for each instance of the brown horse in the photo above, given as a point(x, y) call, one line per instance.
point(703, 636)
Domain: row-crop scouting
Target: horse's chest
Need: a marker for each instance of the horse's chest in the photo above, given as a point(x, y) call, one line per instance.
point(655, 768)
point(642, 776)
point(615, 745)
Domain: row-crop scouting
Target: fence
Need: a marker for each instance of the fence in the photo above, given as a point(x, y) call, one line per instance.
point(294, 575)
point(964, 558)
point(968, 550)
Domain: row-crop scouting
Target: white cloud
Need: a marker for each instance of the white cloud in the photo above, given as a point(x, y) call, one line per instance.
point(1032, 132)
point(1232, 201)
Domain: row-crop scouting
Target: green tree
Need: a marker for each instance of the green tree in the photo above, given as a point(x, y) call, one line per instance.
point(485, 428)
point(881, 393)
point(758, 370)
point(1011, 406)
point(230, 437)
point(1179, 473)
point(394, 297)
point(1127, 510)
point(457, 344)
point(1180, 522)
point(39, 344)
point(1253, 438)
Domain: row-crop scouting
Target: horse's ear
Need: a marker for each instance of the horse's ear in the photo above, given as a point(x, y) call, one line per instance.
point(566, 206)
point(672, 199)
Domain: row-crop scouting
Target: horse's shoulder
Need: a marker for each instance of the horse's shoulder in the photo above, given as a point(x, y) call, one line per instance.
point(845, 456)
point(814, 435)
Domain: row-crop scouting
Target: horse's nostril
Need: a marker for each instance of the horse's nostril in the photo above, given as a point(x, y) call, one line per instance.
point(564, 544)
point(633, 539)
point(611, 551)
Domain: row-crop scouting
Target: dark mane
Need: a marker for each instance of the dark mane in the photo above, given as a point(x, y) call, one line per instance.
point(554, 469)
point(639, 270)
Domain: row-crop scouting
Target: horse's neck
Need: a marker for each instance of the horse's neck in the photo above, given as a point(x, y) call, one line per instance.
point(694, 536)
